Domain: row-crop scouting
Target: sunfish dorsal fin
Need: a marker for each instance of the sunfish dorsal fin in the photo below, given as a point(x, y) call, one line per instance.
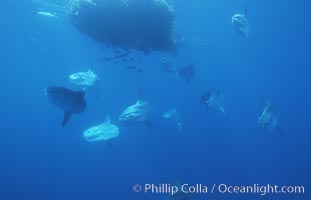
point(245, 10)
point(139, 101)
point(140, 96)
point(90, 70)
point(66, 118)
point(279, 130)
point(108, 120)
point(266, 100)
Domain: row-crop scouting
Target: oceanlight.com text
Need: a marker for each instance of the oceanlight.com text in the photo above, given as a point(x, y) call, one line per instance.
point(260, 189)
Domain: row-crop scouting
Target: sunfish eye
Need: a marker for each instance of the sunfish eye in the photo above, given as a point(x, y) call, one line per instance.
point(75, 76)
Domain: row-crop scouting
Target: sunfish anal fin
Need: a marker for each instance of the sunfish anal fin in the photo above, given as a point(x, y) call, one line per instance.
point(179, 126)
point(222, 109)
point(279, 130)
point(66, 118)
point(149, 124)
point(140, 97)
point(109, 144)
point(188, 81)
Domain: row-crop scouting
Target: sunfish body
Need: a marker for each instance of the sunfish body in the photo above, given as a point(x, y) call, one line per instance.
point(141, 112)
point(47, 14)
point(169, 64)
point(87, 79)
point(240, 23)
point(71, 102)
point(268, 120)
point(174, 116)
point(187, 73)
point(213, 99)
point(102, 132)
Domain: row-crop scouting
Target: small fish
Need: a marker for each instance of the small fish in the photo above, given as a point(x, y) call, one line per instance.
point(47, 14)
point(186, 73)
point(213, 98)
point(122, 55)
point(106, 47)
point(131, 67)
point(240, 23)
point(108, 59)
point(71, 102)
point(139, 71)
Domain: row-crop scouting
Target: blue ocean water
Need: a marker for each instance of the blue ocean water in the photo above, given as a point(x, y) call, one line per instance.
point(41, 160)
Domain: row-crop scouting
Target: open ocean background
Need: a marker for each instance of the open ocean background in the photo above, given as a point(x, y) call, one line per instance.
point(39, 160)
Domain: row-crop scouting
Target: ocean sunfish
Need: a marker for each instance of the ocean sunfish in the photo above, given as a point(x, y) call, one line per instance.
point(102, 132)
point(141, 112)
point(169, 64)
point(71, 102)
point(186, 73)
point(47, 14)
point(268, 120)
point(87, 79)
point(213, 98)
point(240, 23)
point(174, 116)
